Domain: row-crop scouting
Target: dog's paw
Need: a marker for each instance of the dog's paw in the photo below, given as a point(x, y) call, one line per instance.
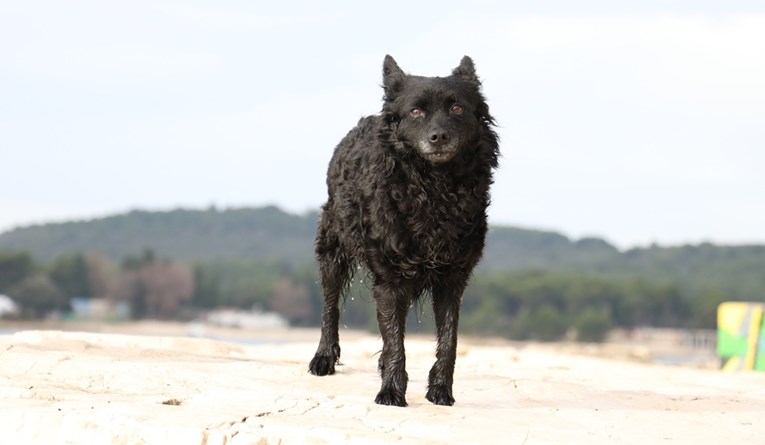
point(440, 395)
point(322, 365)
point(390, 397)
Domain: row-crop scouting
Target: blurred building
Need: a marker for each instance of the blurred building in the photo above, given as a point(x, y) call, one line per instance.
point(8, 307)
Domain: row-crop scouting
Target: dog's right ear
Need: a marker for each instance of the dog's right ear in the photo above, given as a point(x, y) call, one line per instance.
point(466, 70)
point(393, 76)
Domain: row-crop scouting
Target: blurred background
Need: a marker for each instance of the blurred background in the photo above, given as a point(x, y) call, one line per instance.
point(166, 160)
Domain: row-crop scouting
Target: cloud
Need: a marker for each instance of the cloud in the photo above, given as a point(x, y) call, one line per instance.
point(111, 64)
point(676, 56)
point(236, 19)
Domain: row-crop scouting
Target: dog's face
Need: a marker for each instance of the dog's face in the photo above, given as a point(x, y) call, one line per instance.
point(436, 116)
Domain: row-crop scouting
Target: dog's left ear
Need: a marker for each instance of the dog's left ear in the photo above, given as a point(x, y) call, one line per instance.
point(466, 70)
point(393, 76)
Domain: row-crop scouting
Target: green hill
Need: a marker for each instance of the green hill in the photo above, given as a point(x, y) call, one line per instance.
point(263, 233)
point(267, 234)
point(270, 235)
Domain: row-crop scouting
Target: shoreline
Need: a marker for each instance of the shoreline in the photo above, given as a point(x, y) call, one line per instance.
point(659, 346)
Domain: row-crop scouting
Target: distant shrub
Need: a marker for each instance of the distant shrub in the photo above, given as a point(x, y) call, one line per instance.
point(543, 323)
point(592, 325)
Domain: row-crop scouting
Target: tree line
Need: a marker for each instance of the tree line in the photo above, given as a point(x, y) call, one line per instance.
point(536, 304)
point(268, 238)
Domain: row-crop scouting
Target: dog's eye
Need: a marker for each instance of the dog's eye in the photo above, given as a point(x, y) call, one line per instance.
point(416, 112)
point(457, 108)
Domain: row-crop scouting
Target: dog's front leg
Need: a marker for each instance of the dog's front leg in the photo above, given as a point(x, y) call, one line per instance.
point(392, 307)
point(446, 307)
point(335, 272)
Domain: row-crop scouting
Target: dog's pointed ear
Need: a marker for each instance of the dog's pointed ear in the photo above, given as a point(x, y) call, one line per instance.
point(466, 70)
point(393, 76)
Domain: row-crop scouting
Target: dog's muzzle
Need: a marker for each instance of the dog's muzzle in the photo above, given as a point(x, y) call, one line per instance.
point(438, 150)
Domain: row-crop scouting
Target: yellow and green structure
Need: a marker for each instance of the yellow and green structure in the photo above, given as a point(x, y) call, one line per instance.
point(741, 336)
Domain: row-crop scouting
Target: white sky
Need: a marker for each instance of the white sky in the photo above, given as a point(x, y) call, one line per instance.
point(639, 125)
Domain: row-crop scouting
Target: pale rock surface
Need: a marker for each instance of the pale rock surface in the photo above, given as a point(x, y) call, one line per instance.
point(85, 388)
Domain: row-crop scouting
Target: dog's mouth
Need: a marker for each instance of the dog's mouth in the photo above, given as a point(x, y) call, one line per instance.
point(438, 153)
point(439, 156)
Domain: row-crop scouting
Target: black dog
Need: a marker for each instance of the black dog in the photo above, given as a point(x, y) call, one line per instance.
point(408, 192)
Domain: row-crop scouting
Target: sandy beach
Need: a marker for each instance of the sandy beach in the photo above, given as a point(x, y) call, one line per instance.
point(61, 387)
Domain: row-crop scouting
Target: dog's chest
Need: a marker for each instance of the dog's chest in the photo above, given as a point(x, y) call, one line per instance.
point(435, 215)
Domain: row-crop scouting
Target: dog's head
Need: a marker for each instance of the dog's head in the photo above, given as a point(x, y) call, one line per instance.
point(436, 116)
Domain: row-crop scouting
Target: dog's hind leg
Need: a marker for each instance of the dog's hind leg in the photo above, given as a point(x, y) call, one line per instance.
point(447, 298)
point(335, 273)
point(392, 308)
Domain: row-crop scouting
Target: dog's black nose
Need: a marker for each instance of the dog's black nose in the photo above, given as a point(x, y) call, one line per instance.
point(438, 137)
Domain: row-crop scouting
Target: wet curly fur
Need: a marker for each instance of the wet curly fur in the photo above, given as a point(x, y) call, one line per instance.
point(408, 192)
